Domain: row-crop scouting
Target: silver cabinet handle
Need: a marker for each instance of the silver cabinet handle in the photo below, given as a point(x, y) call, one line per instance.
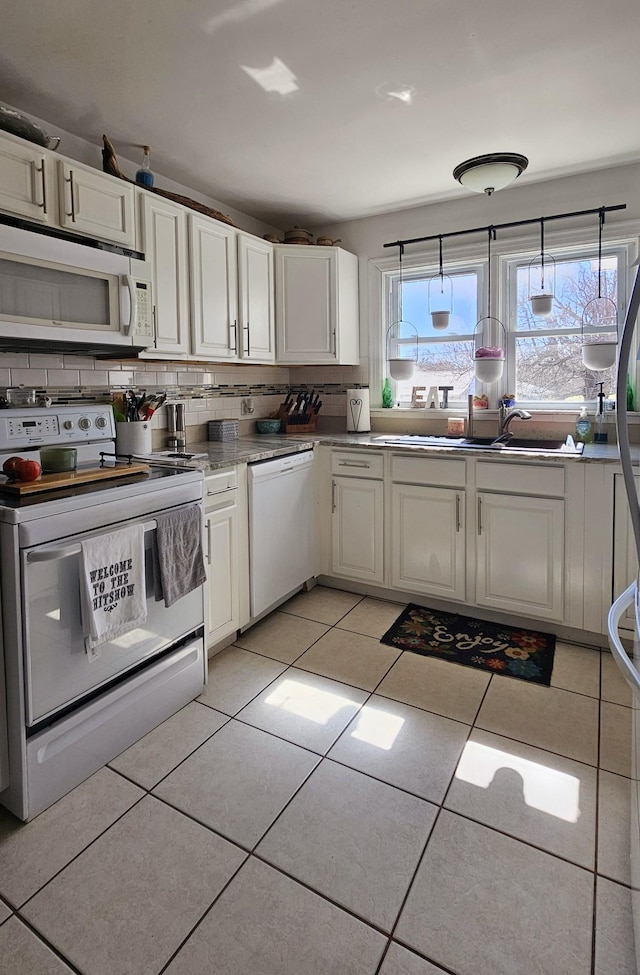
point(40, 169)
point(234, 348)
point(155, 325)
point(457, 512)
point(73, 205)
point(479, 516)
point(333, 496)
point(248, 331)
point(354, 463)
point(335, 344)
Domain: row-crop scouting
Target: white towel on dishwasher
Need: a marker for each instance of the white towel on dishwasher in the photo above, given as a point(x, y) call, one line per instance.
point(112, 579)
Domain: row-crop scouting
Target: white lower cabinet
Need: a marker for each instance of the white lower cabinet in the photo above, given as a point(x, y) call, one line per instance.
point(222, 558)
point(427, 540)
point(406, 522)
point(357, 536)
point(520, 554)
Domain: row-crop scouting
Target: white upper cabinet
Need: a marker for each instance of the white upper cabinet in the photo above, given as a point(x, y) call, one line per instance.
point(25, 181)
point(256, 333)
point(96, 204)
point(164, 231)
point(316, 305)
point(81, 200)
point(214, 288)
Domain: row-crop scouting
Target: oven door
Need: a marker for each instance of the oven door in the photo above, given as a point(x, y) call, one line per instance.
point(58, 671)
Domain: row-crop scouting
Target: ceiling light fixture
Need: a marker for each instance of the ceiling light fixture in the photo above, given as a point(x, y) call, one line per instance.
point(486, 174)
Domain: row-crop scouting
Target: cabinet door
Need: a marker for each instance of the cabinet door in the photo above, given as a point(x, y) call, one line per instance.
point(625, 560)
point(357, 528)
point(520, 554)
point(214, 288)
point(306, 304)
point(24, 184)
point(165, 245)
point(222, 595)
point(427, 540)
point(256, 305)
point(97, 204)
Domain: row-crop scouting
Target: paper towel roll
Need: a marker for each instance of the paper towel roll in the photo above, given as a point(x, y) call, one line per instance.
point(358, 417)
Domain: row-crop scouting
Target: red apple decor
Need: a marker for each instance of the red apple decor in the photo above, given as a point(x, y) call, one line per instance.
point(21, 469)
point(28, 470)
point(10, 466)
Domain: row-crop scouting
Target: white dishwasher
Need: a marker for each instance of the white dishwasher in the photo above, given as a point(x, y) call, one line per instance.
point(281, 528)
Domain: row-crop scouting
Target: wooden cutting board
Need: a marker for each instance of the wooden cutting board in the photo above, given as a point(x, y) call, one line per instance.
point(65, 479)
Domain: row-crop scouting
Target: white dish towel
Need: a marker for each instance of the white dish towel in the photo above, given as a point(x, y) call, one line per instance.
point(112, 579)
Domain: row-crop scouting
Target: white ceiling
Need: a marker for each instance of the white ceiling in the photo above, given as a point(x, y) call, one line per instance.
point(556, 80)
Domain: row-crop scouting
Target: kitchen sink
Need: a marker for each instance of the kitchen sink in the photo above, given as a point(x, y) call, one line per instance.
point(515, 445)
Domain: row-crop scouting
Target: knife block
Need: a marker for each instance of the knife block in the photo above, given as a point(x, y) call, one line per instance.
point(290, 427)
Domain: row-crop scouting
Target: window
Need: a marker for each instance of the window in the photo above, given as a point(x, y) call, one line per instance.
point(544, 355)
point(444, 358)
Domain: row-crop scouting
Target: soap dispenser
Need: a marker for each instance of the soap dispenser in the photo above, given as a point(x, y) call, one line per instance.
point(583, 427)
point(144, 176)
point(600, 435)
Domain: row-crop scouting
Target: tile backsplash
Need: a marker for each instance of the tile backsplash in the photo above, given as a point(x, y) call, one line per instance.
point(210, 391)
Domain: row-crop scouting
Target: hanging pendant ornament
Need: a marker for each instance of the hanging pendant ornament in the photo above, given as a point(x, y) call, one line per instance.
point(401, 368)
point(541, 290)
point(440, 318)
point(488, 360)
point(599, 321)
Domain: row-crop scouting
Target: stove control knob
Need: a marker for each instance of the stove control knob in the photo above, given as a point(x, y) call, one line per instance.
point(68, 424)
point(84, 423)
point(101, 422)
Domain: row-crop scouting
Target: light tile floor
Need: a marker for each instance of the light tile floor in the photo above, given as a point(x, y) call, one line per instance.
point(329, 806)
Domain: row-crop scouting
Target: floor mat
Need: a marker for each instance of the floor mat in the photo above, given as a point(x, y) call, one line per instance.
point(508, 650)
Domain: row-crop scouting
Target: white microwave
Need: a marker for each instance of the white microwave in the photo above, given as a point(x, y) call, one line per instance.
point(59, 295)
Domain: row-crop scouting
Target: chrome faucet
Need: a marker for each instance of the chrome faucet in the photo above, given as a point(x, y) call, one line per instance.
point(505, 416)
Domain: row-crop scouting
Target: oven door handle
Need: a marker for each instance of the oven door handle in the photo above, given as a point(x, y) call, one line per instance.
point(54, 554)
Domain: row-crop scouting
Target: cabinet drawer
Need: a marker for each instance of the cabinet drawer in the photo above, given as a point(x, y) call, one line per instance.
point(428, 470)
point(357, 463)
point(546, 482)
point(215, 484)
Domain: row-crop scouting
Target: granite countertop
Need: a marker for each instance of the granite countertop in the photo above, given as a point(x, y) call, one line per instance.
point(258, 447)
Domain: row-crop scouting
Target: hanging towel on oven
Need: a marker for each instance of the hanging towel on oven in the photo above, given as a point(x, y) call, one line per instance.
point(113, 584)
point(178, 559)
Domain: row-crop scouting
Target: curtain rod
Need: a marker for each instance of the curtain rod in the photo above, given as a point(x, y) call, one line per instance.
point(503, 226)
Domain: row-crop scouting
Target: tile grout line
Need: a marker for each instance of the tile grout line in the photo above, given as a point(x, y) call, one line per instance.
point(42, 938)
point(322, 757)
point(83, 850)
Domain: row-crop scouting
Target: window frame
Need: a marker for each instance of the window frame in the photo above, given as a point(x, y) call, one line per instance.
point(421, 270)
point(508, 247)
point(509, 266)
